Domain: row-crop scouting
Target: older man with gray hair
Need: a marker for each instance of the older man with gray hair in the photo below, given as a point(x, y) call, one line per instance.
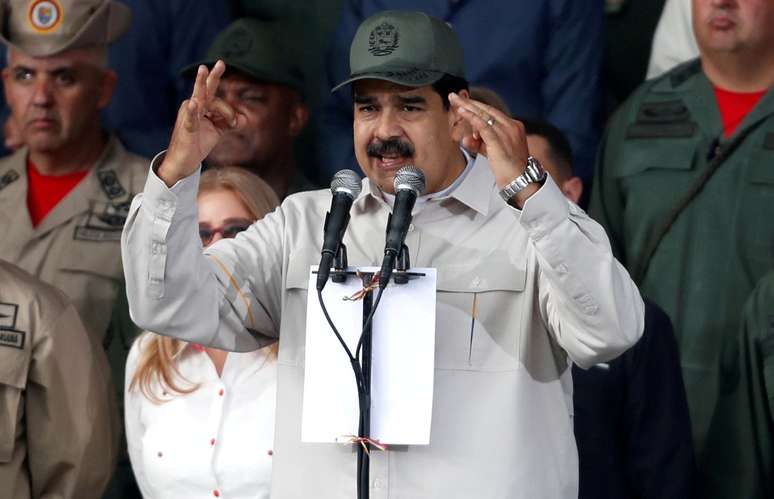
point(65, 195)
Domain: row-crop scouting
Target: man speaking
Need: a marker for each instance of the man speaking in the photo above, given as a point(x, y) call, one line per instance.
point(527, 283)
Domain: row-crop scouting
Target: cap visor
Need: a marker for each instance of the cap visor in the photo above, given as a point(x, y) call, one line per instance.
point(190, 70)
point(408, 78)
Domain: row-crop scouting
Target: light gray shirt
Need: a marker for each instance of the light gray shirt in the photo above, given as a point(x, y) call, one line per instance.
point(545, 285)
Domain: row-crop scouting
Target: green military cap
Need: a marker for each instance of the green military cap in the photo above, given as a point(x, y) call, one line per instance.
point(46, 27)
point(259, 49)
point(408, 48)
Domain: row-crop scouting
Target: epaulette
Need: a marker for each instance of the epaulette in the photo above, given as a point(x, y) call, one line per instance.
point(681, 73)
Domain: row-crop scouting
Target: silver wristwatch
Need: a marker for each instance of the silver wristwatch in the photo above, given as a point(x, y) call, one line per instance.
point(534, 172)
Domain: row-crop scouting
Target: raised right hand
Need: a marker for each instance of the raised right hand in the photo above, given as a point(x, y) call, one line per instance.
point(201, 121)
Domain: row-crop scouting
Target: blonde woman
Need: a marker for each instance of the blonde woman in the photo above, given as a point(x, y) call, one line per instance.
point(200, 421)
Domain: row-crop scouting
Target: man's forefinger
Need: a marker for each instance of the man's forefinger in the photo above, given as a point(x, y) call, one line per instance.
point(213, 80)
point(200, 85)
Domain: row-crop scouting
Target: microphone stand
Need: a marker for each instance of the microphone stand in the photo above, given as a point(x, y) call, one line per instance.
point(364, 427)
point(400, 276)
point(361, 366)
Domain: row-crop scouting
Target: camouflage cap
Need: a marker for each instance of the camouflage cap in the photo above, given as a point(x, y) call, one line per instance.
point(259, 49)
point(408, 48)
point(46, 27)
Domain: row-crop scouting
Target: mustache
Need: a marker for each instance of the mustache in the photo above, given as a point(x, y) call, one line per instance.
point(389, 147)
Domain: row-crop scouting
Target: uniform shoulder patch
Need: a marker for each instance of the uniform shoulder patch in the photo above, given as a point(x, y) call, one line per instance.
point(9, 335)
point(682, 73)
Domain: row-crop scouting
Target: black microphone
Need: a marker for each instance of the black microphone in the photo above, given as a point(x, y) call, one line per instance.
point(409, 183)
point(345, 187)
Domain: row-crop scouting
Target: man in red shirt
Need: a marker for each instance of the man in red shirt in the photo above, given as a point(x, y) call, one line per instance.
point(64, 196)
point(685, 188)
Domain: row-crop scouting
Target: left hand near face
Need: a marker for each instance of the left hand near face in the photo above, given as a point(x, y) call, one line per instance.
point(498, 137)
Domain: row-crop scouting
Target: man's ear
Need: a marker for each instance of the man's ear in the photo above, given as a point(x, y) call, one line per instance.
point(106, 88)
point(299, 117)
point(572, 188)
point(459, 126)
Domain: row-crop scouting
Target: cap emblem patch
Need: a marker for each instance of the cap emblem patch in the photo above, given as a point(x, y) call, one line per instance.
point(45, 15)
point(239, 43)
point(383, 39)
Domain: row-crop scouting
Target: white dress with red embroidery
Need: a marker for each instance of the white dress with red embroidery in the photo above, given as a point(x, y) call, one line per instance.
point(214, 442)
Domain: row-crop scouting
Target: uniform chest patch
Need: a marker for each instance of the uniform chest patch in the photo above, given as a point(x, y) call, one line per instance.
point(9, 335)
point(104, 223)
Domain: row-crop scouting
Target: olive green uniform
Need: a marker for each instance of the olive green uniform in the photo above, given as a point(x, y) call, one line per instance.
point(657, 146)
point(58, 419)
point(740, 445)
point(76, 247)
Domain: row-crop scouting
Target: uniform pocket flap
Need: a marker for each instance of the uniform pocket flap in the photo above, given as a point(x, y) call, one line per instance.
point(14, 363)
point(496, 274)
point(103, 259)
point(667, 154)
point(298, 267)
point(761, 168)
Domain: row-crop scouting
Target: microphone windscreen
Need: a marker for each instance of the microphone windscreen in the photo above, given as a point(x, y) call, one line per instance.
point(410, 177)
point(347, 181)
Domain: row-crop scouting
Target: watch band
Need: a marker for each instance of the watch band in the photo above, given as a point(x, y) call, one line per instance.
point(533, 172)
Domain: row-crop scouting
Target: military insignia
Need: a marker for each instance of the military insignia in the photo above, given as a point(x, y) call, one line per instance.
point(239, 43)
point(45, 15)
point(114, 214)
point(383, 39)
point(8, 313)
point(10, 177)
point(104, 223)
point(9, 335)
point(110, 184)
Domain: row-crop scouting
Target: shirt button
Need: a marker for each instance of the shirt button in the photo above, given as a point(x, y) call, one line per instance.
point(562, 268)
point(411, 227)
point(221, 392)
point(212, 442)
point(161, 453)
point(270, 452)
point(378, 484)
point(216, 493)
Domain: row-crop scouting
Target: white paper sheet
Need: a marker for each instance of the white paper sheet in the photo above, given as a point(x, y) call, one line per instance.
point(402, 363)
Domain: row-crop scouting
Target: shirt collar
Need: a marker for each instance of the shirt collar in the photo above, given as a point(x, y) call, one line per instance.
point(472, 188)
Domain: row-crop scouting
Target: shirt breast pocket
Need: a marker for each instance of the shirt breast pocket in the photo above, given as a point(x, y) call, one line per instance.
point(651, 170)
point(755, 208)
point(90, 274)
point(479, 315)
point(293, 326)
point(14, 366)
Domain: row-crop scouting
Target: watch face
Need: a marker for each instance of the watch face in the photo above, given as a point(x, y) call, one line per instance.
point(535, 170)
